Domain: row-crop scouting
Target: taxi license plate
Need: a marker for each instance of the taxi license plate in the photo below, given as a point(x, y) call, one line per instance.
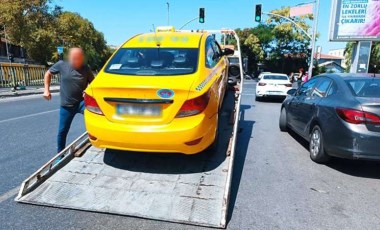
point(139, 110)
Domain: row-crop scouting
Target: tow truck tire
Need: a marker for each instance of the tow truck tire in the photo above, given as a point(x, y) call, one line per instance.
point(316, 146)
point(283, 121)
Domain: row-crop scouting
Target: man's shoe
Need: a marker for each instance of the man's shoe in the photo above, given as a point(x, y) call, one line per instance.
point(58, 160)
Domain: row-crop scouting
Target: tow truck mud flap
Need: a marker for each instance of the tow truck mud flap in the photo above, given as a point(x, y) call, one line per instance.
point(176, 188)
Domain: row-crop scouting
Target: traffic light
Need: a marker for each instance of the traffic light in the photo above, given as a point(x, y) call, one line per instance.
point(201, 15)
point(258, 13)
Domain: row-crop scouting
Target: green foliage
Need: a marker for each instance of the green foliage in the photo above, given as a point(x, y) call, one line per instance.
point(277, 43)
point(40, 27)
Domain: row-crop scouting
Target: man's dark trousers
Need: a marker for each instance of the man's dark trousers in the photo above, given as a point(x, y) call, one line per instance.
point(66, 116)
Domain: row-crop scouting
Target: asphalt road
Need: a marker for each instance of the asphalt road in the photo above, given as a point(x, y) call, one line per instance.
point(275, 184)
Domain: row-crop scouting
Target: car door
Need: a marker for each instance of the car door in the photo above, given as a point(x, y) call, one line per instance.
point(296, 106)
point(309, 107)
point(216, 65)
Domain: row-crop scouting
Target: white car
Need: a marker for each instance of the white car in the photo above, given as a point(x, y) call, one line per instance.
point(273, 85)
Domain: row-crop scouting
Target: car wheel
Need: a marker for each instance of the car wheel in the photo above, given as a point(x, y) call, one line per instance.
point(258, 98)
point(283, 120)
point(316, 147)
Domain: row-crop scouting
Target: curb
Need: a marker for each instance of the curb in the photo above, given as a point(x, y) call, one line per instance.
point(20, 94)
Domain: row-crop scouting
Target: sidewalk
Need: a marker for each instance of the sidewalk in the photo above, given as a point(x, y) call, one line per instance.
point(7, 92)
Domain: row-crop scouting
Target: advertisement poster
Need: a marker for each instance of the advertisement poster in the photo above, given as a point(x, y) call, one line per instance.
point(355, 20)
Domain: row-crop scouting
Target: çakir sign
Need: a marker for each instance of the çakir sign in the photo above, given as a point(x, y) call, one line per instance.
point(355, 20)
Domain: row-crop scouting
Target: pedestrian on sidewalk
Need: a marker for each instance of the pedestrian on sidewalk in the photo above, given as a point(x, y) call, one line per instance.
point(75, 77)
point(301, 76)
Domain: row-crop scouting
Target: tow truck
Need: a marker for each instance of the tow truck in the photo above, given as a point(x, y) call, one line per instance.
point(188, 189)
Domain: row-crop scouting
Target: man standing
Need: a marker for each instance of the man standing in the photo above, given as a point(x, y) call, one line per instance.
point(75, 77)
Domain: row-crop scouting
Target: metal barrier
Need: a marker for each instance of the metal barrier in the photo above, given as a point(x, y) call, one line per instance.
point(23, 75)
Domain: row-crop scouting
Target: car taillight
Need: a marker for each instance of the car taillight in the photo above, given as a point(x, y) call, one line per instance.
point(262, 84)
point(92, 105)
point(194, 106)
point(357, 116)
point(288, 85)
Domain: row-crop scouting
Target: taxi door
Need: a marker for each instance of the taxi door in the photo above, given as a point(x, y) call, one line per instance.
point(217, 65)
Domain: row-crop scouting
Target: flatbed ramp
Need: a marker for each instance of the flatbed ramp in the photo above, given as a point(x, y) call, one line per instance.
point(171, 187)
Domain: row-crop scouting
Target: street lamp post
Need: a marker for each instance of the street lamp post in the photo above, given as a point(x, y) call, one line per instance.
point(10, 58)
point(315, 28)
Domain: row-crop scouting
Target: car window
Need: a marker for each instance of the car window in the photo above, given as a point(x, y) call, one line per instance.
point(233, 60)
point(333, 89)
point(368, 87)
point(217, 50)
point(210, 54)
point(321, 89)
point(307, 87)
point(153, 61)
point(275, 77)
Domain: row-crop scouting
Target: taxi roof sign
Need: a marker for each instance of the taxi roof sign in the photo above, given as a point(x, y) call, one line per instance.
point(165, 29)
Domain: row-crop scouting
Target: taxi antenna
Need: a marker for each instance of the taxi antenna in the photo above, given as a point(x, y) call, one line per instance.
point(155, 36)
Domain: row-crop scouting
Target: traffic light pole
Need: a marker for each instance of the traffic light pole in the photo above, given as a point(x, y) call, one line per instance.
point(187, 23)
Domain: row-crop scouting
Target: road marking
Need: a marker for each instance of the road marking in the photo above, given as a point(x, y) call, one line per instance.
point(9, 194)
point(248, 94)
point(26, 116)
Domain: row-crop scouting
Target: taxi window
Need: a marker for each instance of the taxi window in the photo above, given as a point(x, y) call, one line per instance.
point(210, 54)
point(154, 61)
point(217, 50)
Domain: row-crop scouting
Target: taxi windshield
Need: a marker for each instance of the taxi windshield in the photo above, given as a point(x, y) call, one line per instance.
point(153, 61)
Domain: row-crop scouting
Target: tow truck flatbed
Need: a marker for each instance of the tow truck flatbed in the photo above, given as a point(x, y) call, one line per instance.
point(192, 189)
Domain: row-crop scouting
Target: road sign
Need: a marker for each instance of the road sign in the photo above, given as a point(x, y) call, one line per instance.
point(60, 49)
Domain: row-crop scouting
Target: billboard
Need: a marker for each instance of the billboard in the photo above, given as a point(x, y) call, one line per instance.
point(355, 20)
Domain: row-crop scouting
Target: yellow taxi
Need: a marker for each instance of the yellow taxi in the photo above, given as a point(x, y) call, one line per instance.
point(159, 92)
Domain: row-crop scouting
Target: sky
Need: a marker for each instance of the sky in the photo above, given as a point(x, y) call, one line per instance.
point(122, 19)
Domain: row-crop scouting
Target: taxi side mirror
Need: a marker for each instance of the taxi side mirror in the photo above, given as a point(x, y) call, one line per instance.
point(228, 51)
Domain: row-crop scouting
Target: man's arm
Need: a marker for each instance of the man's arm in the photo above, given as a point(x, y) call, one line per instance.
point(55, 69)
point(47, 81)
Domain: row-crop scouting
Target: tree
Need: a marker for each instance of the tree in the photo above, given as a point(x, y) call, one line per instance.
point(73, 30)
point(40, 27)
point(289, 40)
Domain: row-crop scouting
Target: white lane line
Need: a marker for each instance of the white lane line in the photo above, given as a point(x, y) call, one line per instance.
point(9, 194)
point(26, 116)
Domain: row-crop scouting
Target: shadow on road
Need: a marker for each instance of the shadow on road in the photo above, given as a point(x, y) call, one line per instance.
point(358, 168)
point(244, 137)
point(272, 100)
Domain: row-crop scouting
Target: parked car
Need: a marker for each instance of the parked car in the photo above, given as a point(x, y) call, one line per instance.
point(339, 114)
point(272, 85)
point(159, 95)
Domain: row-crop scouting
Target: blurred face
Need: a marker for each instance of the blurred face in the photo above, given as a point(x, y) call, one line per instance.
point(76, 58)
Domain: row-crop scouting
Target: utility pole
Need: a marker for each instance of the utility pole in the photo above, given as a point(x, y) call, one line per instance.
point(168, 4)
point(11, 59)
point(315, 29)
